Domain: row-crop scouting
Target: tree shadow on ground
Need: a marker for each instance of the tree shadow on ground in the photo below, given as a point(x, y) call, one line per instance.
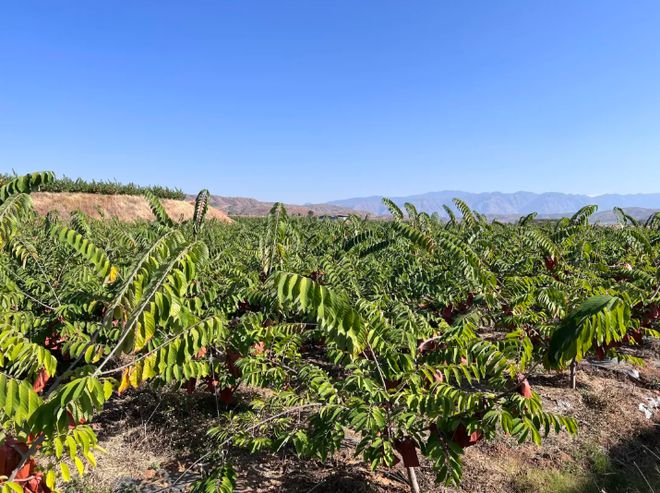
point(632, 466)
point(314, 479)
point(178, 422)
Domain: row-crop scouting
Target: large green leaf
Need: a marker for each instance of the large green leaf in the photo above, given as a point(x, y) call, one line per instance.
point(600, 319)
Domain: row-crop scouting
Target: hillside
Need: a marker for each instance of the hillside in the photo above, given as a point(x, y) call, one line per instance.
point(497, 203)
point(123, 207)
point(499, 206)
point(135, 207)
point(244, 206)
point(608, 216)
point(603, 216)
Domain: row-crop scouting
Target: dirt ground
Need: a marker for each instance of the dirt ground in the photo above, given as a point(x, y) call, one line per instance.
point(151, 438)
point(124, 207)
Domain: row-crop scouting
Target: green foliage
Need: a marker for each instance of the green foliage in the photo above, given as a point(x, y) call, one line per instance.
point(158, 210)
point(394, 209)
point(86, 249)
point(469, 218)
point(24, 184)
point(221, 480)
point(525, 220)
point(624, 218)
point(597, 320)
point(450, 214)
point(273, 243)
point(653, 221)
point(582, 216)
point(332, 312)
point(415, 236)
point(66, 184)
point(201, 208)
point(14, 208)
point(404, 333)
point(18, 401)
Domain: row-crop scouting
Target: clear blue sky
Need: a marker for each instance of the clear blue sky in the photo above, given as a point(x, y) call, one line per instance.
point(315, 100)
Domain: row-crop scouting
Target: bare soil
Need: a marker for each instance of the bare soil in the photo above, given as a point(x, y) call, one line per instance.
point(151, 438)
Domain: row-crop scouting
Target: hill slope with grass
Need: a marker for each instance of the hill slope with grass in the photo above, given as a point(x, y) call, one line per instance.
point(127, 208)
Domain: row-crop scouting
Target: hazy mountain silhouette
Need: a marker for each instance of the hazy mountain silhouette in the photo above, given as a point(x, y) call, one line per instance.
point(498, 203)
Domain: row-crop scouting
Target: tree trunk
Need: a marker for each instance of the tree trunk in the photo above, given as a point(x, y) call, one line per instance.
point(573, 374)
point(412, 478)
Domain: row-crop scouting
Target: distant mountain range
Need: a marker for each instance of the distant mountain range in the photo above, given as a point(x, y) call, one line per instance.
point(244, 206)
point(495, 205)
point(508, 204)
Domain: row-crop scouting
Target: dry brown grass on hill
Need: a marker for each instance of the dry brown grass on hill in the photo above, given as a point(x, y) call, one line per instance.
point(123, 207)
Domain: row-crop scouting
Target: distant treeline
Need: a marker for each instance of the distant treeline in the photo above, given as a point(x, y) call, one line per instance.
point(66, 184)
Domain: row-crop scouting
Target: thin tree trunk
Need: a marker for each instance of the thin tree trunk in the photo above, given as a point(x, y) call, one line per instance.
point(573, 374)
point(412, 478)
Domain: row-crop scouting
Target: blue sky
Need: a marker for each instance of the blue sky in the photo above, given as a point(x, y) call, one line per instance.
point(307, 101)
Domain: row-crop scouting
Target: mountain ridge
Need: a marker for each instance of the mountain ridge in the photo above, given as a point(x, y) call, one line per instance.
point(501, 206)
point(504, 203)
point(247, 206)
